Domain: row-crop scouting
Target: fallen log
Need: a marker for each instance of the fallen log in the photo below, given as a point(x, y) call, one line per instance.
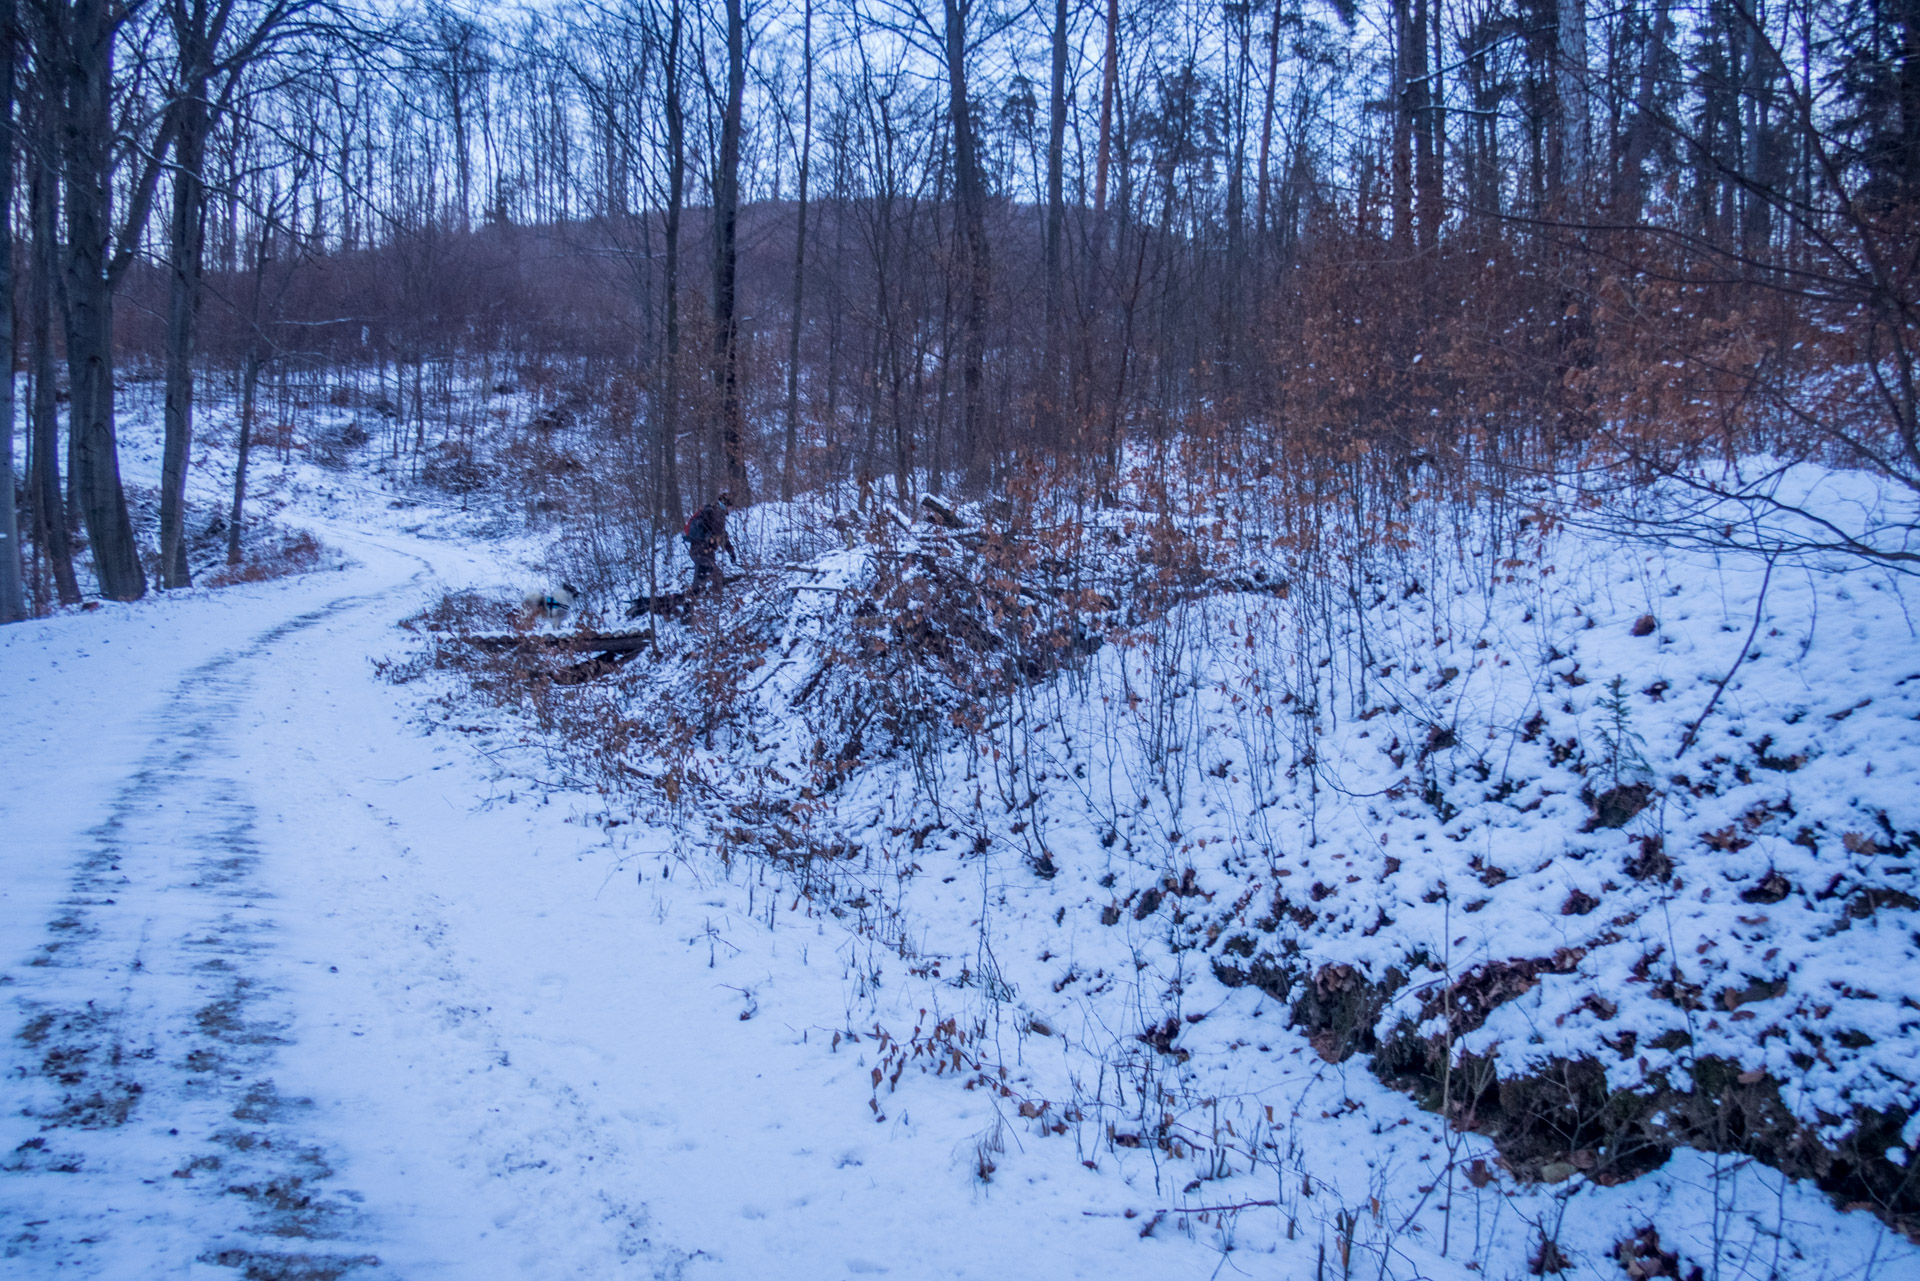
point(582, 642)
point(665, 605)
point(593, 668)
point(940, 513)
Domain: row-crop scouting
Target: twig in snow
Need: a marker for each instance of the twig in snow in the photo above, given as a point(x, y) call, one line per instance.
point(1197, 1209)
point(1759, 608)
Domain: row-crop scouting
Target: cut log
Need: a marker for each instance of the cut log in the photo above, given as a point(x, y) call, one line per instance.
point(665, 605)
point(594, 668)
point(563, 642)
point(939, 513)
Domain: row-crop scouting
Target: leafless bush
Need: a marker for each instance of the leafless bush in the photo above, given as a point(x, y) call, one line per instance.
point(292, 552)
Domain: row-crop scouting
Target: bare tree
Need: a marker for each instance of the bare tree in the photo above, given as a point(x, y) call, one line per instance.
point(1052, 391)
point(47, 506)
point(1112, 275)
point(216, 43)
point(971, 198)
point(726, 258)
point(1575, 113)
point(270, 244)
point(799, 256)
point(13, 604)
point(458, 64)
point(76, 48)
point(672, 69)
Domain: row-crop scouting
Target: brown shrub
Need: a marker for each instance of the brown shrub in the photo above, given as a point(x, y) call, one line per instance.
point(293, 552)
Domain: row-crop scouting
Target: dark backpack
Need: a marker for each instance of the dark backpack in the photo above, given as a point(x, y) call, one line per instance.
point(699, 527)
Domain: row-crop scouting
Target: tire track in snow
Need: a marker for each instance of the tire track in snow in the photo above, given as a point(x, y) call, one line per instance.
point(142, 1068)
point(142, 1131)
point(521, 1146)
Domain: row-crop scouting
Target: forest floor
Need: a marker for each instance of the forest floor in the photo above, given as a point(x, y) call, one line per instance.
point(315, 972)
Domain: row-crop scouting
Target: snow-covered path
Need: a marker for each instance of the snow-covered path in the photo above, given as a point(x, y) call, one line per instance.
point(296, 991)
point(154, 1005)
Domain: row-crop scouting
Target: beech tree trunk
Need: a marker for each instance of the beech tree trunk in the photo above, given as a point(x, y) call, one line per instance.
point(13, 601)
point(1109, 85)
point(87, 140)
point(1264, 175)
point(1575, 117)
point(1429, 153)
point(799, 256)
point(970, 189)
point(726, 215)
point(249, 383)
point(1630, 179)
point(1405, 37)
point(249, 388)
point(669, 445)
point(1056, 215)
point(48, 504)
point(185, 240)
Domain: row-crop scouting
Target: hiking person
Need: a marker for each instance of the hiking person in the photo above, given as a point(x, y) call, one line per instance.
point(706, 535)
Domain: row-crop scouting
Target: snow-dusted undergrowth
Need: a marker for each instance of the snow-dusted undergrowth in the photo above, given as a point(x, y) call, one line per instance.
point(1162, 833)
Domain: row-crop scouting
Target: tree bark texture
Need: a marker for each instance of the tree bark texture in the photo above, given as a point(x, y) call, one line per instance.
point(799, 257)
point(1056, 214)
point(669, 444)
point(87, 141)
point(970, 189)
point(48, 504)
point(185, 241)
point(726, 215)
point(13, 600)
point(249, 383)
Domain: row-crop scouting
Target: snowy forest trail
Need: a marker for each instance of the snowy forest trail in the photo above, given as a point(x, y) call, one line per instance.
point(153, 1012)
point(296, 991)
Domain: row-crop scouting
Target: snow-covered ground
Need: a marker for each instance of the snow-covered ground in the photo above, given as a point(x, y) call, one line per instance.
point(343, 994)
point(300, 991)
point(313, 973)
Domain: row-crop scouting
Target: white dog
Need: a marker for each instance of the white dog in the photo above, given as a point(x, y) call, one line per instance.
point(545, 604)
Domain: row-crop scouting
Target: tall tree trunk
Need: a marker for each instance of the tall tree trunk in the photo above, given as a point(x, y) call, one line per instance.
point(1087, 392)
point(1266, 124)
point(1237, 55)
point(249, 388)
point(886, 338)
point(1429, 123)
point(13, 601)
point(970, 189)
point(836, 320)
point(1109, 86)
point(1056, 212)
point(799, 257)
point(1630, 179)
point(1907, 92)
point(185, 239)
point(249, 385)
point(726, 262)
point(49, 505)
point(462, 159)
point(1763, 158)
point(87, 148)
point(1574, 111)
point(1239, 58)
point(669, 468)
point(1404, 39)
point(230, 219)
